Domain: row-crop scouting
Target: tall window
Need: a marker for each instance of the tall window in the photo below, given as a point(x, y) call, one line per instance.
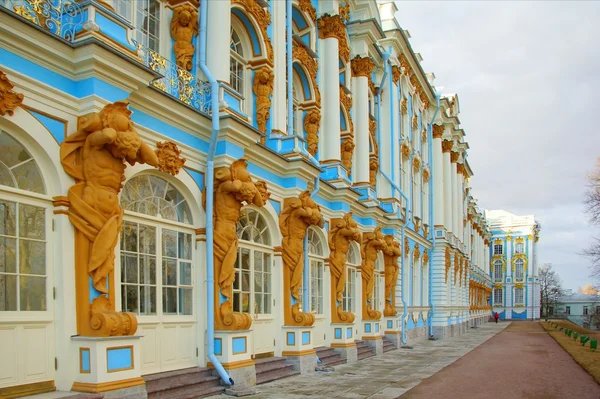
point(316, 258)
point(498, 270)
point(236, 63)
point(145, 16)
point(497, 296)
point(416, 272)
point(519, 298)
point(378, 302)
point(352, 264)
point(519, 269)
point(252, 292)
point(498, 249)
point(520, 248)
point(23, 272)
point(585, 310)
point(156, 249)
point(568, 310)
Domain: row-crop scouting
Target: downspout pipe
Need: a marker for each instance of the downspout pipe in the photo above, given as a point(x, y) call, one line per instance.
point(431, 211)
point(210, 172)
point(306, 271)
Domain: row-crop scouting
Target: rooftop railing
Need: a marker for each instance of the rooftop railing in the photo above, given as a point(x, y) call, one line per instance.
point(63, 18)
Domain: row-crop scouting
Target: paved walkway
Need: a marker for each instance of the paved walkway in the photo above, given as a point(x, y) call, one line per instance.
point(383, 377)
point(521, 362)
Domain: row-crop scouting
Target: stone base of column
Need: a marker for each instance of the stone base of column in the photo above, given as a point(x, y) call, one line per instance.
point(368, 196)
point(233, 351)
point(372, 335)
point(343, 341)
point(335, 174)
point(298, 349)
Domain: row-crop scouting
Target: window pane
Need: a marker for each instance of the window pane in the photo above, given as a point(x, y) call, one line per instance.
point(8, 218)
point(185, 273)
point(32, 257)
point(147, 239)
point(245, 303)
point(147, 269)
point(170, 300)
point(169, 272)
point(8, 293)
point(130, 295)
point(185, 301)
point(31, 222)
point(8, 255)
point(129, 235)
point(130, 267)
point(169, 243)
point(32, 293)
point(147, 300)
point(28, 177)
point(185, 246)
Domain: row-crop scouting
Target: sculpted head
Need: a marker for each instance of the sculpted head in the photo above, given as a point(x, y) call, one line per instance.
point(118, 117)
point(239, 170)
point(184, 18)
point(261, 186)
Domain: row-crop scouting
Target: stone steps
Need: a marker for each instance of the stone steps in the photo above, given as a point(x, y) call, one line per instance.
point(388, 345)
point(190, 383)
point(328, 356)
point(271, 369)
point(363, 350)
point(84, 396)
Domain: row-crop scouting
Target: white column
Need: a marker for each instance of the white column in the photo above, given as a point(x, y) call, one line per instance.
point(279, 114)
point(454, 194)
point(387, 137)
point(530, 265)
point(508, 250)
point(218, 37)
point(330, 94)
point(438, 176)
point(459, 203)
point(360, 90)
point(446, 147)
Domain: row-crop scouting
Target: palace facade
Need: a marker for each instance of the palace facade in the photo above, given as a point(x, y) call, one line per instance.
point(513, 261)
point(301, 138)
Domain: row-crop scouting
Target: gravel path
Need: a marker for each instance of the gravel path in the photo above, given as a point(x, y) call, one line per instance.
point(522, 361)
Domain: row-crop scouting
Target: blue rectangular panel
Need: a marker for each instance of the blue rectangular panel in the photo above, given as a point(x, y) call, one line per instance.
point(349, 332)
point(119, 358)
point(376, 327)
point(305, 337)
point(238, 345)
point(84, 358)
point(338, 333)
point(218, 347)
point(390, 324)
point(290, 338)
point(368, 327)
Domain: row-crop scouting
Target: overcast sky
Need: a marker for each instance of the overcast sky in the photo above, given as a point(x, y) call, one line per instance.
point(525, 74)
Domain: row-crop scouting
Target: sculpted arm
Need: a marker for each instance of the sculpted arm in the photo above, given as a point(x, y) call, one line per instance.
point(104, 136)
point(231, 186)
point(147, 155)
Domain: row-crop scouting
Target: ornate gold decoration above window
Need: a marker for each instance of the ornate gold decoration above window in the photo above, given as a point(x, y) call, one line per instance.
point(298, 214)
point(396, 74)
point(332, 26)
point(425, 256)
point(347, 152)
point(425, 175)
point(263, 18)
point(456, 265)
point(404, 106)
point(373, 169)
point(425, 230)
point(508, 238)
point(514, 262)
point(498, 241)
point(372, 131)
point(417, 222)
point(424, 135)
point(498, 286)
point(344, 11)
point(520, 240)
point(529, 237)
point(415, 122)
point(416, 164)
point(263, 89)
point(307, 7)
point(519, 285)
point(345, 100)
point(407, 70)
point(184, 27)
point(312, 121)
point(416, 252)
point(406, 247)
point(300, 54)
point(405, 150)
point(9, 100)
point(447, 264)
point(447, 145)
point(169, 157)
point(438, 131)
point(362, 66)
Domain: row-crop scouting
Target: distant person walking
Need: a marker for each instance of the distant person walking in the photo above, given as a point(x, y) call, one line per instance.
point(496, 317)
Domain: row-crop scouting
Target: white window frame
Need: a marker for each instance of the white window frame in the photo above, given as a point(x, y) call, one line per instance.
point(128, 9)
point(498, 249)
point(501, 301)
point(519, 266)
point(586, 310)
point(519, 248)
point(349, 298)
point(519, 292)
point(498, 270)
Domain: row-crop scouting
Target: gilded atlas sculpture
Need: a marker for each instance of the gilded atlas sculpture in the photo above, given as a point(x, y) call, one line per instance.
point(391, 253)
point(232, 190)
point(347, 153)
point(263, 88)
point(312, 120)
point(184, 26)
point(342, 231)
point(95, 157)
point(372, 243)
point(297, 215)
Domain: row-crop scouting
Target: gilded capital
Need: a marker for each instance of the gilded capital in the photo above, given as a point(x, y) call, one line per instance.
point(362, 66)
point(331, 26)
point(9, 100)
point(460, 168)
point(425, 175)
point(396, 74)
point(405, 150)
point(424, 135)
point(416, 164)
point(406, 69)
point(447, 145)
point(404, 106)
point(438, 131)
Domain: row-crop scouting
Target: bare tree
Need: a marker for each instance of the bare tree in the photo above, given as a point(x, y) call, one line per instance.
point(550, 288)
point(592, 208)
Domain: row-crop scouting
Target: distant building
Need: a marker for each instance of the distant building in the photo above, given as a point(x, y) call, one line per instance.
point(582, 309)
point(513, 265)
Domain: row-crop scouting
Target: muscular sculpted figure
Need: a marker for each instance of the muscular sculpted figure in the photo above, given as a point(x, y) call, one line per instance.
point(95, 157)
point(312, 120)
point(184, 26)
point(391, 253)
point(342, 232)
point(372, 243)
point(298, 214)
point(263, 88)
point(347, 151)
point(233, 188)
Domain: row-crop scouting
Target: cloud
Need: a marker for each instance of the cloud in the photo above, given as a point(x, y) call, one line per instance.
point(526, 76)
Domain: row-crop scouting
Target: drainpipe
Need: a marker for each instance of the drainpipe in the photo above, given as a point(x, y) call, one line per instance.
point(210, 171)
point(431, 211)
point(306, 271)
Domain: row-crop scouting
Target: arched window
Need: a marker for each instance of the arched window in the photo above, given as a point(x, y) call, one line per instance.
point(519, 269)
point(156, 248)
point(237, 63)
point(352, 264)
point(498, 270)
point(23, 230)
point(378, 300)
point(316, 254)
point(252, 291)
